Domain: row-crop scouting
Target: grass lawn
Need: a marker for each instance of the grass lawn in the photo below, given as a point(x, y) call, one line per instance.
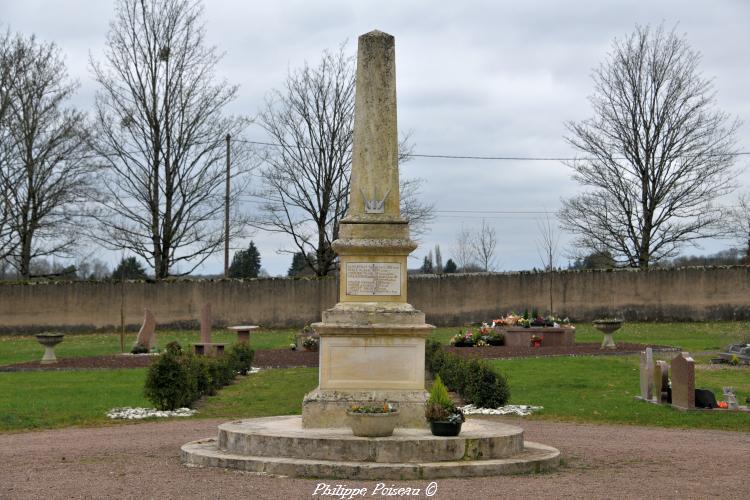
point(585, 389)
point(21, 348)
point(693, 337)
point(602, 389)
point(42, 400)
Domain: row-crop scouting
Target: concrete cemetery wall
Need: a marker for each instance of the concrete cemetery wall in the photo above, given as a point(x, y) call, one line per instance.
point(688, 294)
point(718, 293)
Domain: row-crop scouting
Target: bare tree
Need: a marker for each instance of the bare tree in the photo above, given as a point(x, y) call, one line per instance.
point(548, 243)
point(438, 260)
point(161, 123)
point(484, 244)
point(462, 251)
point(307, 175)
point(8, 67)
point(657, 153)
point(44, 172)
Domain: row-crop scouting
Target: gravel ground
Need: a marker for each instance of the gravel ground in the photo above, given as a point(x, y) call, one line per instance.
point(142, 461)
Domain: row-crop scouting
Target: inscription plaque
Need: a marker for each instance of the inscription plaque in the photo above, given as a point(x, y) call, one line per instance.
point(373, 278)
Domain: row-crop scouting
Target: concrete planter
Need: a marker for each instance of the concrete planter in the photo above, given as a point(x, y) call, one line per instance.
point(49, 341)
point(373, 424)
point(608, 327)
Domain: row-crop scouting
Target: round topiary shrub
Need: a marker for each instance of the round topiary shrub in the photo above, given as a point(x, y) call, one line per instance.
point(169, 382)
point(484, 387)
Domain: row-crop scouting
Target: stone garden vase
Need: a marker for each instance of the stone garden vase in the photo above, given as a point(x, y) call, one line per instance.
point(49, 341)
point(608, 327)
point(373, 424)
point(446, 429)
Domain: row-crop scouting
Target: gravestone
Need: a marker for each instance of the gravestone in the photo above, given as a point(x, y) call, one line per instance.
point(147, 333)
point(206, 322)
point(683, 381)
point(372, 341)
point(661, 382)
point(205, 346)
point(647, 374)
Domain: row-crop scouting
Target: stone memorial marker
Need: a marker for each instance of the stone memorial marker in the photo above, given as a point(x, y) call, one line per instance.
point(661, 381)
point(372, 341)
point(647, 374)
point(147, 333)
point(683, 381)
point(206, 322)
point(205, 346)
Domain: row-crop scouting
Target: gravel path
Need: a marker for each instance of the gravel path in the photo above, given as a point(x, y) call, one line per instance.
point(142, 461)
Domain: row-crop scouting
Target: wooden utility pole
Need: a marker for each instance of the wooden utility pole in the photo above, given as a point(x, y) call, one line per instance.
point(226, 216)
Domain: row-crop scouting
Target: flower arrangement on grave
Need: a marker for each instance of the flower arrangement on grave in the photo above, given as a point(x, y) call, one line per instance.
point(536, 341)
point(463, 339)
point(310, 344)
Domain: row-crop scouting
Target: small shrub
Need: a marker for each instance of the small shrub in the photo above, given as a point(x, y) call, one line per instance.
point(169, 383)
point(439, 406)
point(484, 387)
point(241, 356)
point(221, 371)
point(198, 369)
point(474, 380)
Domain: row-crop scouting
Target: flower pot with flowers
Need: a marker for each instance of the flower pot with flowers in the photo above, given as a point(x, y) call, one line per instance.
point(463, 339)
point(311, 344)
point(536, 341)
point(377, 420)
point(444, 416)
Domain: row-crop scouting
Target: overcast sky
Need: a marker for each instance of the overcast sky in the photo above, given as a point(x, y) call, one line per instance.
point(474, 78)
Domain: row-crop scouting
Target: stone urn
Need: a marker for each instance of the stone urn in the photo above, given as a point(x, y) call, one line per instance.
point(608, 327)
point(373, 424)
point(49, 340)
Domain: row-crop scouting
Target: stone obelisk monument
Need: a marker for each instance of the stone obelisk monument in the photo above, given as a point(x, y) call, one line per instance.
point(372, 341)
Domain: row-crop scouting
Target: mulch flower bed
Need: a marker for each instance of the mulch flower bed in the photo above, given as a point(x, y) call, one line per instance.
point(286, 358)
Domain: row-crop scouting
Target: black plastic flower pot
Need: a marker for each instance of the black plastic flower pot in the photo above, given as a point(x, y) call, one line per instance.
point(445, 428)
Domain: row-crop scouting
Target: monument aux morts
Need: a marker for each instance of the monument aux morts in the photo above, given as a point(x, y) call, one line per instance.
point(372, 341)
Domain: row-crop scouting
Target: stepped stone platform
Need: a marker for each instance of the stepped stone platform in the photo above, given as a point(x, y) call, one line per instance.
point(281, 446)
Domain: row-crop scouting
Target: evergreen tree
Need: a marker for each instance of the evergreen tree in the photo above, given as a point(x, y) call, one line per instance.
point(129, 269)
point(245, 263)
point(299, 266)
point(450, 267)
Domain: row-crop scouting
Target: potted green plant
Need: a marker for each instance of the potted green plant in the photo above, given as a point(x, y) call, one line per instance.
point(444, 417)
point(373, 420)
point(536, 341)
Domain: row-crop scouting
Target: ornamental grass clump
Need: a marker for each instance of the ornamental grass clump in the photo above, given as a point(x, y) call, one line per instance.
point(440, 406)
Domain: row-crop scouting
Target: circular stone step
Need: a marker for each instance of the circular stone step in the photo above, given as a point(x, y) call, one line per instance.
point(534, 458)
point(284, 437)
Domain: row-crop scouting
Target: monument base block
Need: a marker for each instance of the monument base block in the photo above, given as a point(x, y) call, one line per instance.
point(327, 408)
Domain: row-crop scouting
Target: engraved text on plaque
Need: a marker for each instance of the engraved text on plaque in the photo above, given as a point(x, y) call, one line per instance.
point(378, 278)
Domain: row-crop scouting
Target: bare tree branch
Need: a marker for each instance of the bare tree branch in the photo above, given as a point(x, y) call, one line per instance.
point(161, 131)
point(483, 245)
point(44, 174)
point(657, 153)
point(307, 176)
